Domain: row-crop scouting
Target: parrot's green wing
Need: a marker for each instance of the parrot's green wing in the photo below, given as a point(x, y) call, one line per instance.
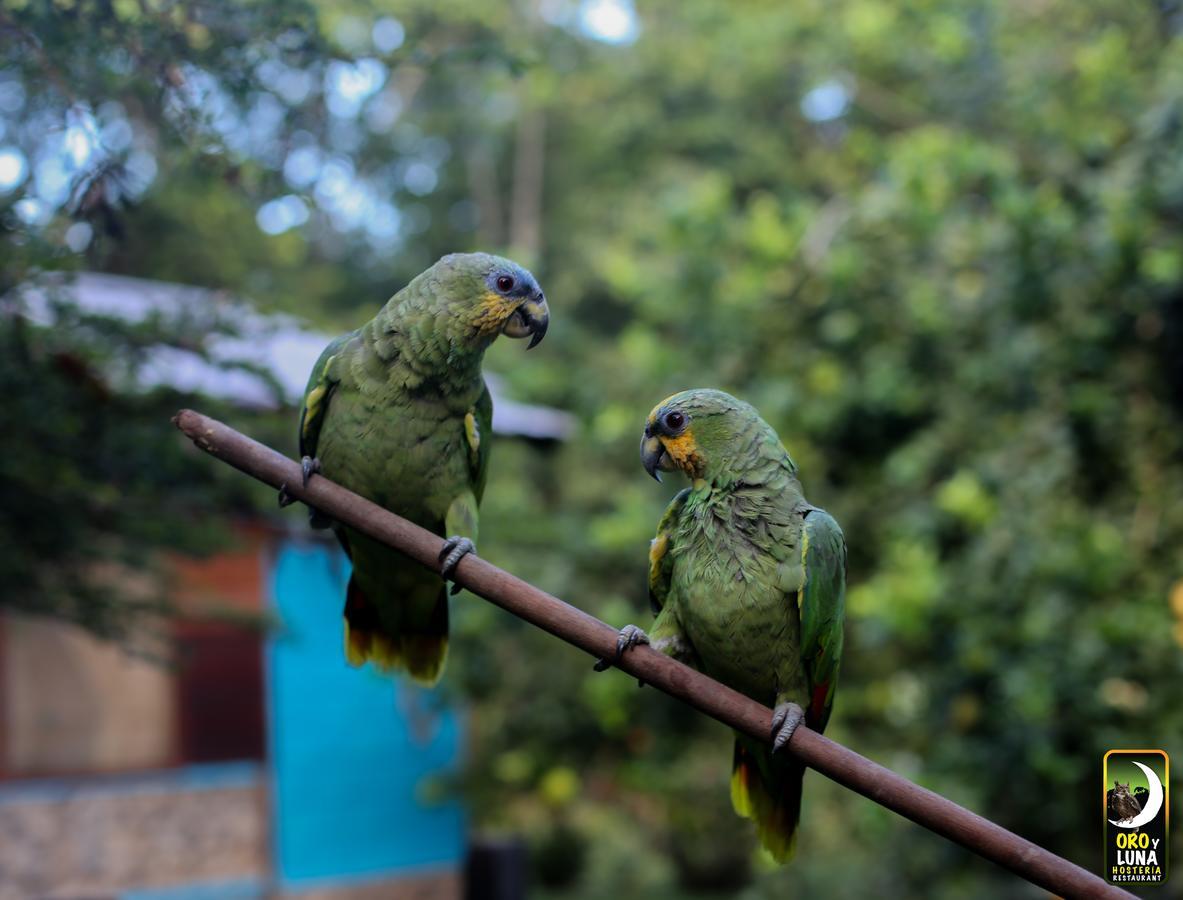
point(319, 391)
point(661, 561)
point(483, 420)
point(463, 513)
point(821, 602)
point(764, 787)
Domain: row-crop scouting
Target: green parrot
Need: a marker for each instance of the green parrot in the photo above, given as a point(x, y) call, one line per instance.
point(747, 581)
point(398, 412)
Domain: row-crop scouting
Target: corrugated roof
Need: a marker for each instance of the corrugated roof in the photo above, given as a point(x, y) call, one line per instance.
point(280, 348)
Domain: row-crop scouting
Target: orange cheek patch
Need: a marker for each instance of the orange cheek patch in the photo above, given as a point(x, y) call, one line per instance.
point(684, 452)
point(492, 312)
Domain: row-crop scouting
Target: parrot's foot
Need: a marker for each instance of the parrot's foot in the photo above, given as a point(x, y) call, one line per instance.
point(629, 637)
point(455, 549)
point(309, 466)
point(318, 520)
point(785, 719)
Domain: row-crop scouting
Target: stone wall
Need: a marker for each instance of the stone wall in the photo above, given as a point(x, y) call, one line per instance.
point(98, 837)
point(65, 839)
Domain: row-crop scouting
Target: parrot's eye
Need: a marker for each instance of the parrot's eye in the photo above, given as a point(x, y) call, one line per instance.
point(674, 421)
point(504, 283)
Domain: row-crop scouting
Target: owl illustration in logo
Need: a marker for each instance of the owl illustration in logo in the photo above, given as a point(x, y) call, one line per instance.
point(1121, 803)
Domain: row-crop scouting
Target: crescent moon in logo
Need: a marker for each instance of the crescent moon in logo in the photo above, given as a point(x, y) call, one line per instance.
point(1153, 803)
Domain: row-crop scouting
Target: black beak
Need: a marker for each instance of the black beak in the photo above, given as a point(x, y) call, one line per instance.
point(531, 318)
point(653, 455)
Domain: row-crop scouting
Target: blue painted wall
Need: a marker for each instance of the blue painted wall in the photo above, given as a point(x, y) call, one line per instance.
point(354, 752)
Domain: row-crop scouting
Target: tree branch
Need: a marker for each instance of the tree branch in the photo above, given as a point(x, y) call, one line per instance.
point(574, 626)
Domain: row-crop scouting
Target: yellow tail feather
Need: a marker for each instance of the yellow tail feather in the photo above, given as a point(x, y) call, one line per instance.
point(424, 657)
point(776, 816)
point(420, 656)
point(741, 802)
point(357, 645)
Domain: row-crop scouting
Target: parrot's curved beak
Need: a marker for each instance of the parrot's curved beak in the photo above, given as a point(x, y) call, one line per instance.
point(531, 318)
point(653, 456)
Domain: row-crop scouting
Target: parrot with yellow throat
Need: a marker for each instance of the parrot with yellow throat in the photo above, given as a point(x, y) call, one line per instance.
point(747, 581)
point(398, 412)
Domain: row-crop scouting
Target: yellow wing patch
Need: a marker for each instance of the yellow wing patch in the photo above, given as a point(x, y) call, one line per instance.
point(312, 407)
point(472, 431)
point(657, 548)
point(804, 567)
point(315, 398)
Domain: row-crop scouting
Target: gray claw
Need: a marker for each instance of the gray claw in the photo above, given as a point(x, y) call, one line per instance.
point(785, 719)
point(309, 466)
point(629, 637)
point(455, 549)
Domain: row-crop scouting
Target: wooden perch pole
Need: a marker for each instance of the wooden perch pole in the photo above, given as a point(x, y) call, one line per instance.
point(588, 633)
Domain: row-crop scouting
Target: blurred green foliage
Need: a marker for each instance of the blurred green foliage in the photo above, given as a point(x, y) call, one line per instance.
point(937, 244)
point(89, 487)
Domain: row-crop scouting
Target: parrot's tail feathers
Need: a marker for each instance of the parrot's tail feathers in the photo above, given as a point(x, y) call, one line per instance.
point(362, 647)
point(421, 655)
point(774, 807)
point(424, 656)
point(357, 645)
point(364, 639)
point(425, 650)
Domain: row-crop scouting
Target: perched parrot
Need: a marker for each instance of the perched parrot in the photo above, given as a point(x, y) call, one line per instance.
point(747, 582)
point(398, 412)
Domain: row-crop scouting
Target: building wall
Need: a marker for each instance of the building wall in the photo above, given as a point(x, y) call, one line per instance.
point(76, 704)
point(232, 773)
point(73, 704)
point(361, 758)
